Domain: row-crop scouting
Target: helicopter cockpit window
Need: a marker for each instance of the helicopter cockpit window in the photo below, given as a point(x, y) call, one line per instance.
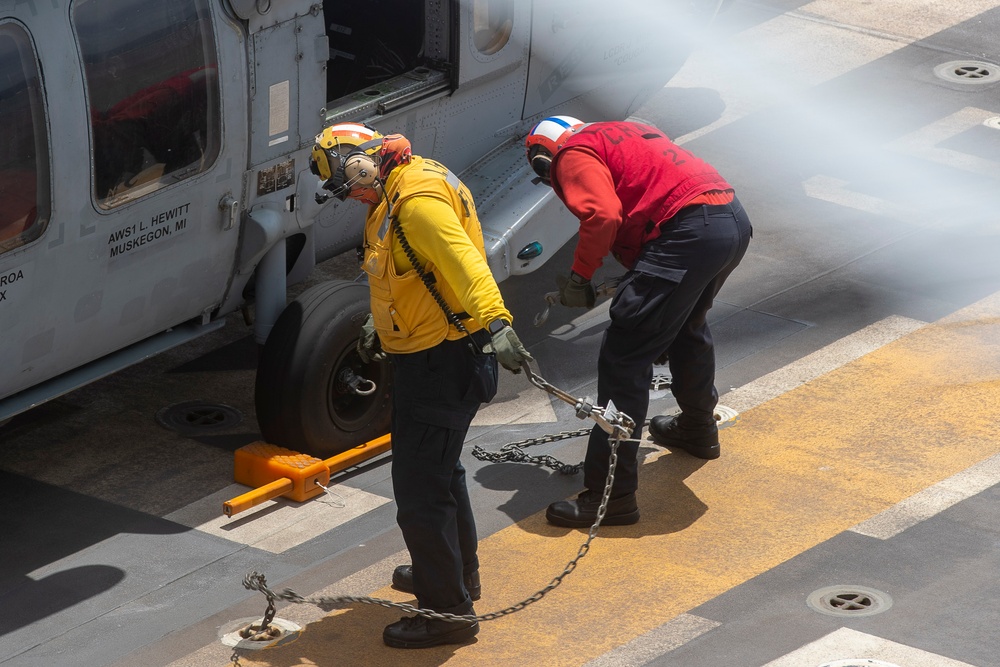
point(24, 172)
point(492, 21)
point(151, 74)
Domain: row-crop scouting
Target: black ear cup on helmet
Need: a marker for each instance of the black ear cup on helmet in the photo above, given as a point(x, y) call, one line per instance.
point(335, 184)
point(540, 161)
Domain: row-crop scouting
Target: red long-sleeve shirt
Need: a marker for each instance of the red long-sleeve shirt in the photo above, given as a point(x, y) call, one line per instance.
point(621, 197)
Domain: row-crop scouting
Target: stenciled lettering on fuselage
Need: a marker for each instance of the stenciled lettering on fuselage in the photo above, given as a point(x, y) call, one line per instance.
point(149, 230)
point(8, 277)
point(623, 53)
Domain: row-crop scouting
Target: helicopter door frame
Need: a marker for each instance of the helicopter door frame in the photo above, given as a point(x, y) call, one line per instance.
point(120, 269)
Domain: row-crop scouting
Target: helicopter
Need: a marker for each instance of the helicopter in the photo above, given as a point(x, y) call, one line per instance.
point(155, 175)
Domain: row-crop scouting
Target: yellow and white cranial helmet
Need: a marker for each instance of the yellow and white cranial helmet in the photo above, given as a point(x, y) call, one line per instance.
point(346, 156)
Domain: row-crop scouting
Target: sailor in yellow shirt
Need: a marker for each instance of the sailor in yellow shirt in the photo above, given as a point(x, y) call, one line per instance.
point(438, 316)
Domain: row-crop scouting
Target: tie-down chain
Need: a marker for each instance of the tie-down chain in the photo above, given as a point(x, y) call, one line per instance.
point(609, 420)
point(617, 425)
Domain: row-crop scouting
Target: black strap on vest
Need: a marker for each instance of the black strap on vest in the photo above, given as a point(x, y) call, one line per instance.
point(429, 280)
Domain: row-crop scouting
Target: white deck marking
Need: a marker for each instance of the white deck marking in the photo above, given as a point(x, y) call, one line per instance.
point(925, 142)
point(836, 191)
point(528, 406)
point(359, 584)
point(276, 525)
point(750, 75)
point(847, 643)
point(751, 70)
point(932, 500)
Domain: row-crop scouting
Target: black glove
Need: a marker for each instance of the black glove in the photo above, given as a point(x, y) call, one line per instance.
point(369, 348)
point(509, 349)
point(576, 291)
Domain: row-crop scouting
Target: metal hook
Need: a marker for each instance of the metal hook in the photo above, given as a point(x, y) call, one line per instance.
point(550, 300)
point(606, 288)
point(356, 384)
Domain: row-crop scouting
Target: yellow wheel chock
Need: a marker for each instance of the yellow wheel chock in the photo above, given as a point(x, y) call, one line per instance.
point(275, 471)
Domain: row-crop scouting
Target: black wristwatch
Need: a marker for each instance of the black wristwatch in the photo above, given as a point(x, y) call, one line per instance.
point(496, 325)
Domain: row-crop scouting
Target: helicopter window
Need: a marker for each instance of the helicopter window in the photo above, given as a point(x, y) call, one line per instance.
point(492, 21)
point(364, 51)
point(24, 173)
point(151, 74)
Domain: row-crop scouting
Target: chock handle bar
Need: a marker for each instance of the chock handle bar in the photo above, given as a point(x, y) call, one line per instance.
point(277, 471)
point(278, 487)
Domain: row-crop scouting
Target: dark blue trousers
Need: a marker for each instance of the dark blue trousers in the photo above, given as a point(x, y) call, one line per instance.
point(662, 306)
point(436, 393)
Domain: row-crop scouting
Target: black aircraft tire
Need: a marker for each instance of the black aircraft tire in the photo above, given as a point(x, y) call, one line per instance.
point(302, 402)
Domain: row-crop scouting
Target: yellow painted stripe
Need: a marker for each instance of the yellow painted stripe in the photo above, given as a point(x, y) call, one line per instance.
point(795, 471)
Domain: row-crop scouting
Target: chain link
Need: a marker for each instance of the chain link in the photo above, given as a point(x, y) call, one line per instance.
point(256, 582)
point(268, 615)
point(514, 452)
point(619, 427)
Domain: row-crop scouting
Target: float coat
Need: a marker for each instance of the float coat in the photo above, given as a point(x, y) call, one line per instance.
point(425, 199)
point(649, 189)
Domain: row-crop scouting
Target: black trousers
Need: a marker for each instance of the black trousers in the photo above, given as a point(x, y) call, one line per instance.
point(436, 394)
point(662, 306)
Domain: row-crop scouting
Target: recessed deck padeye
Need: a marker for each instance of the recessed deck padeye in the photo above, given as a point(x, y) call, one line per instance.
point(968, 72)
point(849, 600)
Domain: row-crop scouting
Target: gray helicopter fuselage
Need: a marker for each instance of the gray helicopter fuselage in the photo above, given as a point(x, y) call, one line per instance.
point(157, 153)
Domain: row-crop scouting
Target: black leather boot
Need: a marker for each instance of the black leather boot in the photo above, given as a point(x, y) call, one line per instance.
point(402, 580)
point(699, 440)
point(582, 511)
point(420, 632)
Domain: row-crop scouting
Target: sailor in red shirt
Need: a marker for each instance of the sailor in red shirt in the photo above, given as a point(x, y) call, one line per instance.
point(676, 225)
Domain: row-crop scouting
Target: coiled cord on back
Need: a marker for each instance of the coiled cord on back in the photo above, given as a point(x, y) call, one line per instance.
point(428, 279)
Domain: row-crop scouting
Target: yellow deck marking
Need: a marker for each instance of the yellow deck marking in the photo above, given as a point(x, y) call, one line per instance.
point(795, 471)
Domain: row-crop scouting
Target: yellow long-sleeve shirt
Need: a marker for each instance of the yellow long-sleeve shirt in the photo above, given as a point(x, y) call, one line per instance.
point(438, 217)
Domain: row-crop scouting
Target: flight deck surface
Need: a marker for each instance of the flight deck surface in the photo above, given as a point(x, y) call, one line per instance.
point(852, 515)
